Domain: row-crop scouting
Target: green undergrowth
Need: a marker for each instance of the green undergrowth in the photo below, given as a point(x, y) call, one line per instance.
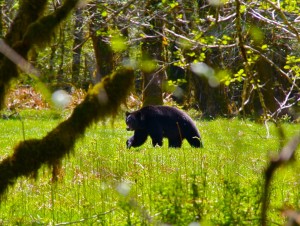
point(103, 183)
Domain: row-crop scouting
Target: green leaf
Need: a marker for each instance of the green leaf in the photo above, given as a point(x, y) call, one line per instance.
point(118, 43)
point(104, 14)
point(148, 65)
point(173, 4)
point(264, 47)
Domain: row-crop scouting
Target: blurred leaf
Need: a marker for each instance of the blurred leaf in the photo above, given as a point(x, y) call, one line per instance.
point(104, 14)
point(118, 43)
point(264, 47)
point(148, 65)
point(256, 34)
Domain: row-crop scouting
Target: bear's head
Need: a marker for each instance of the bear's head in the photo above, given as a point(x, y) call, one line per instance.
point(133, 120)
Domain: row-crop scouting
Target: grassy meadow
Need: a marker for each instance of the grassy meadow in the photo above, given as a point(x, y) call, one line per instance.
point(103, 183)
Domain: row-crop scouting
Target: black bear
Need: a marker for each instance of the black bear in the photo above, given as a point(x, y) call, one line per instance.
point(159, 122)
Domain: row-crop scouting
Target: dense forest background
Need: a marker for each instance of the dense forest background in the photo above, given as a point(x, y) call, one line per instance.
point(224, 58)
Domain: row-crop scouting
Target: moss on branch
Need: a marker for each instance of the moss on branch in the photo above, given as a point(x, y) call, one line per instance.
point(101, 101)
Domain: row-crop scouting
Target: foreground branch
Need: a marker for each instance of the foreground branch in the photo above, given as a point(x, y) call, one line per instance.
point(285, 156)
point(38, 32)
point(102, 101)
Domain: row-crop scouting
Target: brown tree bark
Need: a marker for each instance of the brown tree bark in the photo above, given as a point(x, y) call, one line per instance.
point(1, 19)
point(152, 50)
point(102, 48)
point(77, 46)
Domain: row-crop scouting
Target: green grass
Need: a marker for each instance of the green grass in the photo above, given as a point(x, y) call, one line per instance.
point(103, 183)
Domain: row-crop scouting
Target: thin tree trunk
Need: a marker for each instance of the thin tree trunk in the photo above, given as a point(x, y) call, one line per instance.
point(152, 50)
point(60, 72)
point(77, 46)
point(1, 19)
point(102, 48)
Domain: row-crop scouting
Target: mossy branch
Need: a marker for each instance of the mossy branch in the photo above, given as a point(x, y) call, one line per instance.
point(27, 31)
point(40, 32)
point(102, 101)
point(29, 11)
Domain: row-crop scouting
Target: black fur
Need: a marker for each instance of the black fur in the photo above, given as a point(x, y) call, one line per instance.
point(159, 122)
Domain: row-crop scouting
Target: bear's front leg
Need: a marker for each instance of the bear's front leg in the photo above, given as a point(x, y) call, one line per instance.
point(139, 137)
point(129, 142)
point(157, 137)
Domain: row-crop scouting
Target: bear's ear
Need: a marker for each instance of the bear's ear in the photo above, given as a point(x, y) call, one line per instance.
point(127, 113)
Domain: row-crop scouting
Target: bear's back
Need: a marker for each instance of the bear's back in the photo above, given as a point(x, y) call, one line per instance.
point(168, 115)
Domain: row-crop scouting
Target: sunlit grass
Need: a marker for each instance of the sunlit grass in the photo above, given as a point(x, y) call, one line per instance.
point(104, 183)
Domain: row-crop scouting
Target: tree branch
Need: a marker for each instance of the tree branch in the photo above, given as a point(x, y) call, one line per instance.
point(199, 44)
point(102, 101)
point(275, 23)
point(285, 20)
point(37, 33)
point(285, 156)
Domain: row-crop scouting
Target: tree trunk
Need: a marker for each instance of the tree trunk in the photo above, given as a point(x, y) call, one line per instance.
point(77, 46)
point(1, 19)
point(175, 73)
point(212, 101)
point(152, 50)
point(101, 45)
point(60, 72)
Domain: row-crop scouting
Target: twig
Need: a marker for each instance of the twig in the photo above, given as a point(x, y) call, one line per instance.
point(283, 105)
point(154, 75)
point(17, 59)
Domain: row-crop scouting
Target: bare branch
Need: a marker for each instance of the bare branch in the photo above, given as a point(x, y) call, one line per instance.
point(285, 20)
point(273, 22)
point(284, 104)
point(199, 44)
point(18, 60)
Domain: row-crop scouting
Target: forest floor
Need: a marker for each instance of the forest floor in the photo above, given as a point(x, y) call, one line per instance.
point(27, 97)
